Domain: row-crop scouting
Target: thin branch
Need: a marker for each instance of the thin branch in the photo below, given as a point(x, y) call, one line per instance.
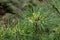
point(55, 8)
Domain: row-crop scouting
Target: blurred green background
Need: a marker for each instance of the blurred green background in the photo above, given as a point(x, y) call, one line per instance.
point(34, 20)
